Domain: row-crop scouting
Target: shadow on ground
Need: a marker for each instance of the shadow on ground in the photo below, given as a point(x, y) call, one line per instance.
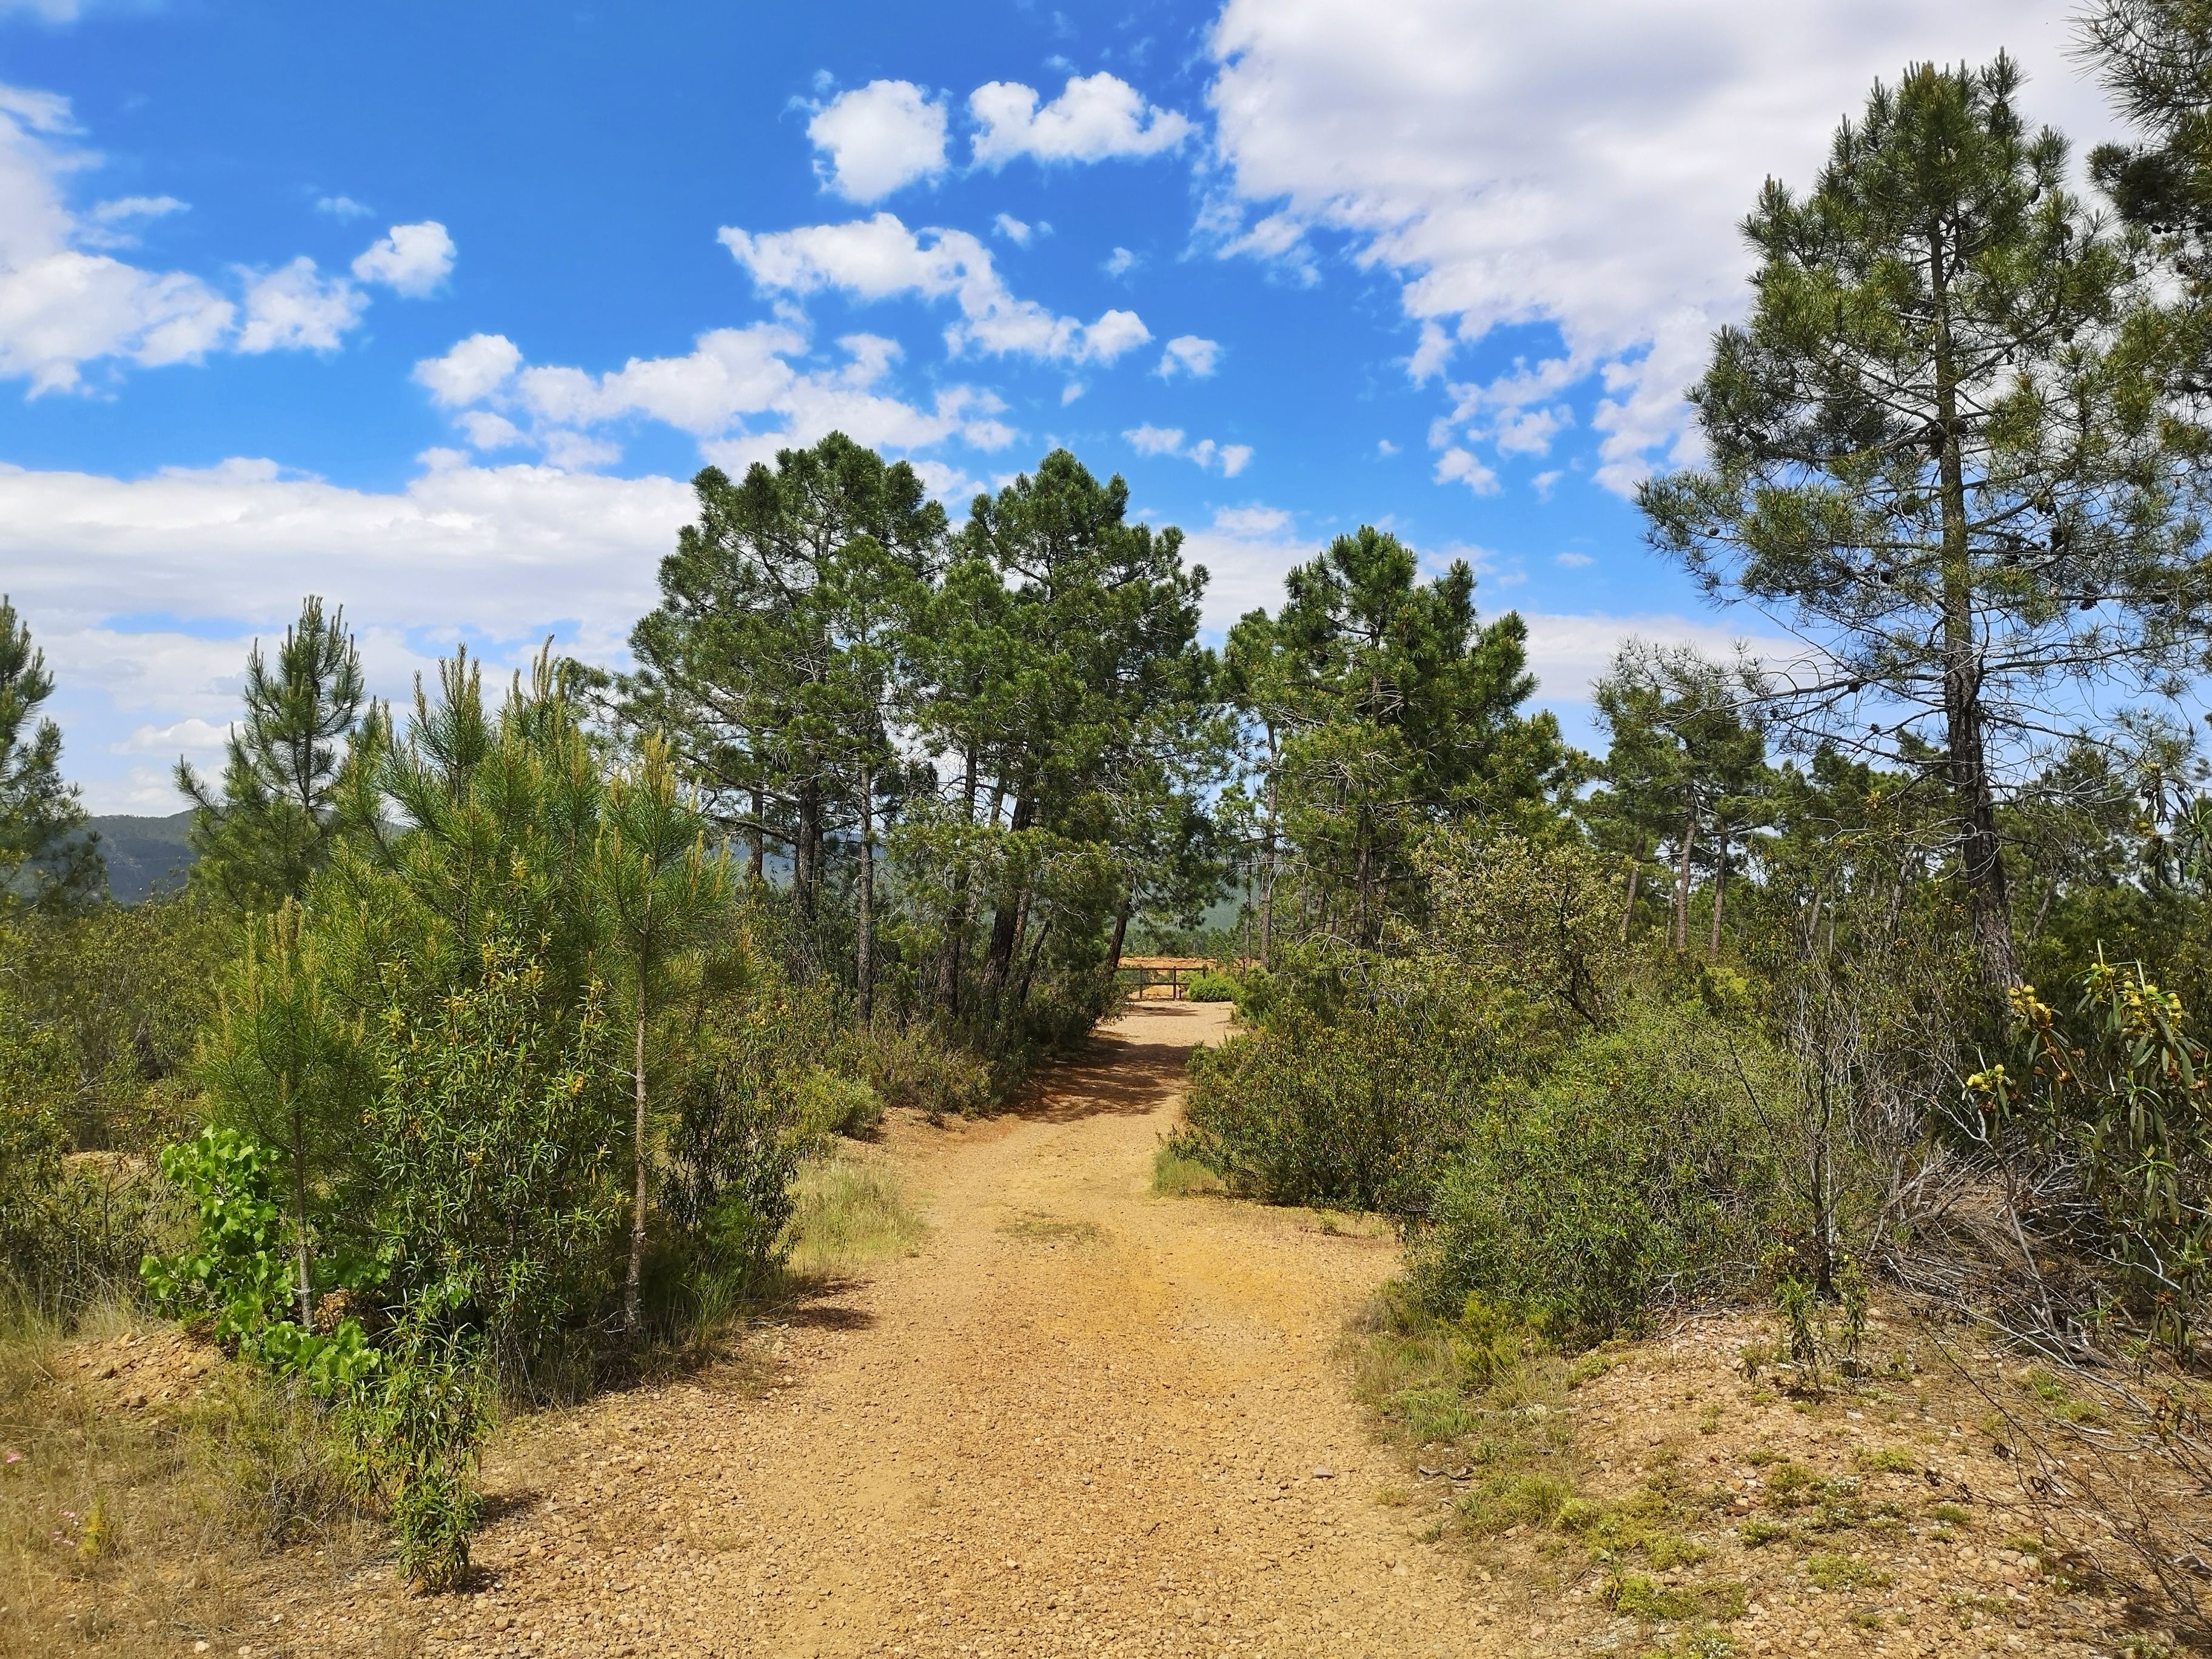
point(1122, 1076)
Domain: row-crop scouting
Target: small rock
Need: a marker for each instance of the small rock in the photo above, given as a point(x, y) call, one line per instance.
point(1323, 1472)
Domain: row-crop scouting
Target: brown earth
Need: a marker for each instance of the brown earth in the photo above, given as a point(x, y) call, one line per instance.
point(1083, 1419)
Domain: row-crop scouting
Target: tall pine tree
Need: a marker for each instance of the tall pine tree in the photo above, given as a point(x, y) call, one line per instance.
point(1939, 459)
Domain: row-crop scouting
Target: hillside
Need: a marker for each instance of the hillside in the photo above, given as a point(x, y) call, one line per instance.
point(145, 855)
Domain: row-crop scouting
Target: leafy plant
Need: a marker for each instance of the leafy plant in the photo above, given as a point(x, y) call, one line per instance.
point(2121, 1091)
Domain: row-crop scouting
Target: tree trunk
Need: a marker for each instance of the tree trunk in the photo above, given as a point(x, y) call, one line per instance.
point(1720, 893)
point(1268, 871)
point(864, 974)
point(1635, 879)
point(807, 851)
point(633, 1284)
point(1120, 933)
point(757, 837)
point(1679, 936)
point(1006, 924)
point(300, 1202)
point(1981, 856)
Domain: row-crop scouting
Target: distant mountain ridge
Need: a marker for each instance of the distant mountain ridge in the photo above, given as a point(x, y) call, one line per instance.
point(145, 856)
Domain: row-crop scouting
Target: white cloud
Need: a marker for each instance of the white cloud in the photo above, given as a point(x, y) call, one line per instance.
point(718, 393)
point(1246, 551)
point(295, 308)
point(474, 369)
point(193, 733)
point(1586, 167)
point(1384, 446)
point(1094, 118)
point(1070, 392)
point(411, 260)
point(1190, 355)
point(125, 210)
point(1543, 483)
point(1013, 229)
point(46, 11)
point(64, 307)
point(1122, 262)
point(342, 207)
point(1457, 466)
point(879, 138)
point(511, 553)
point(879, 259)
point(486, 430)
point(1575, 560)
point(60, 307)
point(1229, 459)
point(1568, 653)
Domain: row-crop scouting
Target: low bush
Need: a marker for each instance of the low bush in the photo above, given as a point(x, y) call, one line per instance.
point(1636, 1170)
point(1214, 987)
point(1352, 1096)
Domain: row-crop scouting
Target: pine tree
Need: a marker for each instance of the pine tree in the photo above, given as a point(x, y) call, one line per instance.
point(268, 830)
point(1940, 459)
point(662, 895)
point(47, 859)
point(1402, 710)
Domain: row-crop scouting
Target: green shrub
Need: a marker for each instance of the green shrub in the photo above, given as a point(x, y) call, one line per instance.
point(1214, 987)
point(828, 1104)
point(418, 1434)
point(1636, 1170)
point(237, 1271)
point(1357, 1113)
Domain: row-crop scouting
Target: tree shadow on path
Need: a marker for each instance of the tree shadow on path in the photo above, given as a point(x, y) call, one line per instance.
point(1120, 1074)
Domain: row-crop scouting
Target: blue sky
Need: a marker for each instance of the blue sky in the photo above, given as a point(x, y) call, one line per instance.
point(432, 309)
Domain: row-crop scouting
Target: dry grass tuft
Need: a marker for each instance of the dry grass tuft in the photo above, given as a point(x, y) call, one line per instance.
point(852, 1210)
point(125, 1528)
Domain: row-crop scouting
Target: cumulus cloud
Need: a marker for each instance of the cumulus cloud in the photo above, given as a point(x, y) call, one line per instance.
point(1229, 459)
point(65, 306)
point(296, 308)
point(1457, 466)
point(879, 138)
point(738, 392)
point(1014, 230)
point(472, 370)
point(1188, 354)
point(1094, 118)
point(1585, 169)
point(517, 550)
point(342, 207)
point(879, 259)
point(1122, 262)
point(1247, 551)
point(410, 259)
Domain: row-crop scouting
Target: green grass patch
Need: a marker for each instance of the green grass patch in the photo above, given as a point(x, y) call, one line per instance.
point(1833, 1570)
point(1890, 1460)
point(1175, 1175)
point(851, 1209)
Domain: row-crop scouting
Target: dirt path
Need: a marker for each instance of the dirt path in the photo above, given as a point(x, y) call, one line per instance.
point(1081, 1420)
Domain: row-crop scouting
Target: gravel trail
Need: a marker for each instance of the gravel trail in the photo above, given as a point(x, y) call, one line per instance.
point(1079, 1420)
